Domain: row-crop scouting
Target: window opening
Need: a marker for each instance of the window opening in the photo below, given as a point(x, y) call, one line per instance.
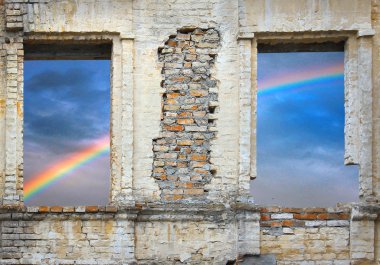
point(66, 129)
point(300, 129)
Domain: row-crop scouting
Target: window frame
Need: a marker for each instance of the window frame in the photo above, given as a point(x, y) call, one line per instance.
point(358, 100)
point(121, 112)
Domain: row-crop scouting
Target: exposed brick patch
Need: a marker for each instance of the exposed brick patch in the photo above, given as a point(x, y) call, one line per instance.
point(303, 217)
point(294, 234)
point(182, 153)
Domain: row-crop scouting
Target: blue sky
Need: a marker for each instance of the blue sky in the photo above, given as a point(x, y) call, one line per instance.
point(66, 106)
point(300, 135)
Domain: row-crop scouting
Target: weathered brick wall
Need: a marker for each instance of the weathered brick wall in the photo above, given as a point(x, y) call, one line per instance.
point(12, 99)
point(161, 168)
point(182, 153)
point(314, 234)
point(66, 235)
point(111, 235)
point(186, 241)
point(376, 94)
point(108, 235)
point(2, 101)
point(154, 21)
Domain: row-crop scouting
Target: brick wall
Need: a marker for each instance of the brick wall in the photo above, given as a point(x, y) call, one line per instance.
point(376, 94)
point(47, 235)
point(66, 235)
point(174, 241)
point(296, 235)
point(182, 153)
point(161, 187)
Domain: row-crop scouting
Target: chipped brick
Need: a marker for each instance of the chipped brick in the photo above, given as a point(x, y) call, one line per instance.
point(92, 209)
point(56, 209)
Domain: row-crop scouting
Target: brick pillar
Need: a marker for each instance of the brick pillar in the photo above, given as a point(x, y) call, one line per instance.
point(12, 184)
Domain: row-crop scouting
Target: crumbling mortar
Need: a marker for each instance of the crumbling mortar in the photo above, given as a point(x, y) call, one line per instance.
point(182, 153)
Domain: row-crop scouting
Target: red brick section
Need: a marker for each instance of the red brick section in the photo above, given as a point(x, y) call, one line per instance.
point(181, 164)
point(305, 216)
point(296, 217)
point(92, 209)
point(43, 209)
point(56, 209)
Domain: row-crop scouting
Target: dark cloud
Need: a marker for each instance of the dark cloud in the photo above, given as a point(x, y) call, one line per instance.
point(65, 105)
point(58, 80)
point(285, 63)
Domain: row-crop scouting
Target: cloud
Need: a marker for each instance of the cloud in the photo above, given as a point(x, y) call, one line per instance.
point(87, 186)
point(300, 139)
point(305, 182)
point(301, 122)
point(273, 65)
point(59, 79)
point(66, 104)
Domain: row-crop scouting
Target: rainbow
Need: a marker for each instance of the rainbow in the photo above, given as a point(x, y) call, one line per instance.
point(56, 171)
point(301, 78)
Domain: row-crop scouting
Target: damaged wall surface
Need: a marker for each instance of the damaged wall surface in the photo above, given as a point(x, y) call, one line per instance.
point(183, 133)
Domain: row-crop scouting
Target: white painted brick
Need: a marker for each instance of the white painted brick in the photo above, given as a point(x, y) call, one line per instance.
point(315, 223)
point(282, 216)
point(338, 223)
